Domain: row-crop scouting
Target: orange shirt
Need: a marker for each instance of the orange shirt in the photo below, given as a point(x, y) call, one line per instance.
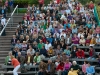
point(15, 62)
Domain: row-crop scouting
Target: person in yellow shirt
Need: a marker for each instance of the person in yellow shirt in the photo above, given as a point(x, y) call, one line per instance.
point(93, 41)
point(72, 24)
point(50, 51)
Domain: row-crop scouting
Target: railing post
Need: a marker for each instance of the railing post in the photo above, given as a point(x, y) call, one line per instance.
point(17, 10)
point(9, 20)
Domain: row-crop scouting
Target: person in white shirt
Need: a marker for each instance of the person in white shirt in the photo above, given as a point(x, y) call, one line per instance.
point(63, 34)
point(3, 21)
point(47, 45)
point(68, 11)
point(98, 41)
point(31, 50)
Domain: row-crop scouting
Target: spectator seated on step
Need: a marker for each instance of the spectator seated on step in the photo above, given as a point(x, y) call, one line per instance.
point(98, 60)
point(19, 45)
point(90, 70)
point(92, 53)
point(13, 41)
point(36, 59)
point(8, 59)
point(20, 58)
point(80, 54)
point(31, 50)
point(28, 60)
point(15, 51)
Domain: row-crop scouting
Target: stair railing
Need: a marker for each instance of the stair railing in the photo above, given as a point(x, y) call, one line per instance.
point(11, 17)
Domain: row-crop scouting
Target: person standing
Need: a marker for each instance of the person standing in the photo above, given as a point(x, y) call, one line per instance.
point(11, 5)
point(41, 2)
point(16, 65)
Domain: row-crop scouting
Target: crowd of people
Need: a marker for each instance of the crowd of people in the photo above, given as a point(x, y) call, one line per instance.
point(4, 7)
point(48, 31)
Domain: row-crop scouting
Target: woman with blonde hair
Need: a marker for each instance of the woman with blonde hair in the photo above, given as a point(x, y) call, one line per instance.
point(16, 65)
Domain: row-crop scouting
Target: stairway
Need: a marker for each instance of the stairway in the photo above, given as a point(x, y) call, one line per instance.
point(5, 44)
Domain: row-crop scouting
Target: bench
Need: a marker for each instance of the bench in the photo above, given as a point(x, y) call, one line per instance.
point(32, 72)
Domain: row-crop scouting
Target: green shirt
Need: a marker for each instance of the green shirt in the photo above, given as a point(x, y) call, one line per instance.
point(40, 45)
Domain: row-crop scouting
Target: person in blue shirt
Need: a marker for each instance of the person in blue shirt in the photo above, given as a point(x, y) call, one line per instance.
point(90, 70)
point(10, 3)
point(74, 30)
point(89, 25)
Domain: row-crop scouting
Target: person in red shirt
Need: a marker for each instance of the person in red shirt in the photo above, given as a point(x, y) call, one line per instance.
point(41, 2)
point(91, 5)
point(59, 68)
point(80, 53)
point(16, 65)
point(58, 1)
point(92, 53)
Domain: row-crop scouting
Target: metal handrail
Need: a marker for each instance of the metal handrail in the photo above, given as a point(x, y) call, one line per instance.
point(14, 11)
point(9, 19)
point(4, 27)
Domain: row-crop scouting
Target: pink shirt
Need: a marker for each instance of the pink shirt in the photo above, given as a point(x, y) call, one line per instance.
point(84, 66)
point(67, 66)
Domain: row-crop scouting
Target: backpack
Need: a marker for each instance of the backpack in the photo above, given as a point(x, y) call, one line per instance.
point(23, 69)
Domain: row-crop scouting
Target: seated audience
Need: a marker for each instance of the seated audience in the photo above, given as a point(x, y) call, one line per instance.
point(66, 68)
point(59, 68)
point(90, 70)
point(98, 60)
point(42, 68)
point(15, 51)
point(43, 51)
point(50, 70)
point(84, 66)
point(28, 59)
point(98, 41)
point(67, 51)
point(36, 59)
point(47, 45)
point(24, 46)
point(18, 44)
point(31, 50)
point(74, 69)
point(82, 41)
point(92, 53)
point(8, 59)
point(73, 52)
point(20, 58)
point(80, 54)
point(50, 52)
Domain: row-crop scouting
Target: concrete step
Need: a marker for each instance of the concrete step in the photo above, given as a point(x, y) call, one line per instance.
point(4, 52)
point(5, 41)
point(5, 36)
point(9, 38)
point(15, 14)
point(10, 28)
point(10, 33)
point(4, 49)
point(7, 46)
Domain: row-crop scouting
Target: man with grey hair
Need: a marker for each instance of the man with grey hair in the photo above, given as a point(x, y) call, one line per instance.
point(28, 60)
point(50, 68)
point(20, 58)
